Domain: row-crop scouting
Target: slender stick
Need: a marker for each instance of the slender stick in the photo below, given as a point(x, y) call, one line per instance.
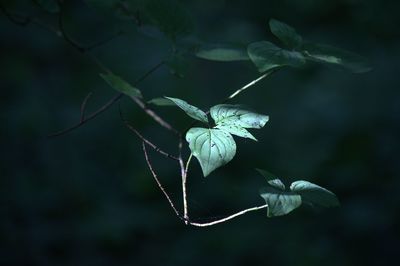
point(89, 117)
point(158, 181)
point(107, 105)
point(157, 149)
point(184, 177)
point(228, 217)
point(154, 115)
point(248, 85)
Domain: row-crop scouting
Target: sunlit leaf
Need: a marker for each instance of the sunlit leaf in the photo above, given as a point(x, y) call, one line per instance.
point(280, 202)
point(285, 33)
point(121, 85)
point(222, 52)
point(236, 130)
point(213, 148)
point(266, 56)
point(235, 119)
point(337, 57)
point(314, 194)
point(190, 110)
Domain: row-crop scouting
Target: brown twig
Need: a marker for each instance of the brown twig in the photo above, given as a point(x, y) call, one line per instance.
point(155, 116)
point(89, 117)
point(107, 105)
point(159, 183)
point(155, 147)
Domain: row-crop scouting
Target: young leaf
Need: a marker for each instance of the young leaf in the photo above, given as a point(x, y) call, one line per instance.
point(222, 52)
point(314, 194)
point(266, 56)
point(121, 85)
point(190, 110)
point(235, 118)
point(280, 202)
point(213, 148)
point(285, 33)
point(334, 56)
point(161, 102)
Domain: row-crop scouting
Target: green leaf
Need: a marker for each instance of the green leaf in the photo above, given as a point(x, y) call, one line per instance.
point(272, 179)
point(121, 85)
point(280, 202)
point(266, 56)
point(236, 130)
point(161, 102)
point(235, 118)
point(48, 5)
point(222, 52)
point(213, 148)
point(314, 194)
point(285, 33)
point(337, 57)
point(190, 110)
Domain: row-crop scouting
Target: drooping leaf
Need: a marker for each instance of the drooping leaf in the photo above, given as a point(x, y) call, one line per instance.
point(314, 194)
point(337, 57)
point(285, 33)
point(272, 179)
point(222, 52)
point(190, 110)
point(235, 118)
point(48, 5)
point(266, 56)
point(121, 85)
point(213, 148)
point(280, 202)
point(161, 102)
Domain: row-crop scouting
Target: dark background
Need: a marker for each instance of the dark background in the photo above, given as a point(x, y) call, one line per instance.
point(87, 198)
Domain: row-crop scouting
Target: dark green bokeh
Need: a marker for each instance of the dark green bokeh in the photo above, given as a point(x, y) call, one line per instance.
point(87, 198)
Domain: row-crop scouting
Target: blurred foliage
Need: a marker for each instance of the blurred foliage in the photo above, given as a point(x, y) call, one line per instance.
point(87, 198)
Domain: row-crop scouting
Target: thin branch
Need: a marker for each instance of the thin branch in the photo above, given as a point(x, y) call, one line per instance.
point(131, 128)
point(83, 106)
point(248, 85)
point(90, 117)
point(107, 105)
point(158, 182)
point(229, 217)
point(154, 115)
point(183, 177)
